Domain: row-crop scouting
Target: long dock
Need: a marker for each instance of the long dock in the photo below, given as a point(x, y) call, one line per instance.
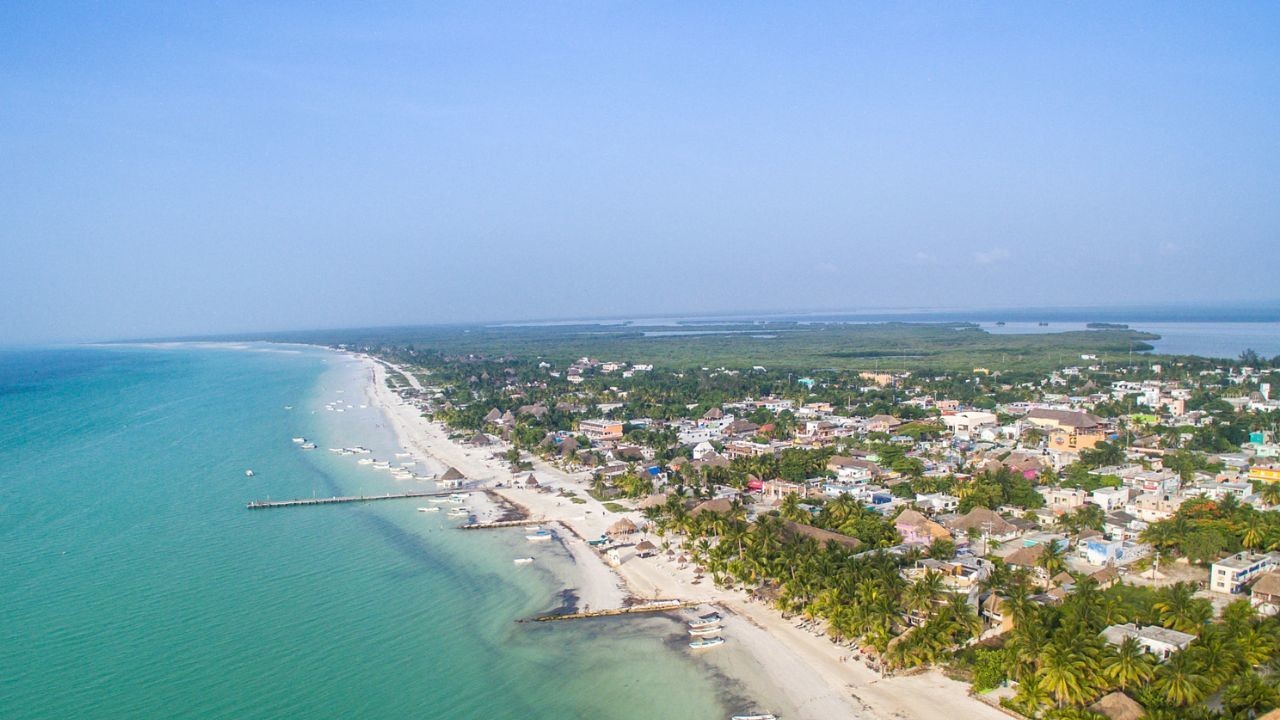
point(650, 607)
point(267, 504)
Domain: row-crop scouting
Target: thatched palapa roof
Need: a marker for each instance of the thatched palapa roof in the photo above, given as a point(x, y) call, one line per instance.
point(822, 536)
point(453, 474)
point(655, 500)
point(1118, 706)
point(622, 527)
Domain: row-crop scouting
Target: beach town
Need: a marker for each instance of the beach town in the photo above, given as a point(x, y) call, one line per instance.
point(1066, 543)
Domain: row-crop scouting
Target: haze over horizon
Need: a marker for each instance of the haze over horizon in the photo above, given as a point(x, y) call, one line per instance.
point(180, 171)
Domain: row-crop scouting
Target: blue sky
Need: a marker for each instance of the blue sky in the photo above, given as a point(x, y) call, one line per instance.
point(169, 170)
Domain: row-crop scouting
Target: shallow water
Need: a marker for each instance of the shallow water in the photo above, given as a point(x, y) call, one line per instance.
point(135, 583)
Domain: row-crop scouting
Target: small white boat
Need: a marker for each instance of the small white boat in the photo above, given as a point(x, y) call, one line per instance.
point(705, 621)
point(360, 450)
point(523, 561)
point(337, 451)
point(402, 455)
point(459, 497)
point(539, 536)
point(759, 716)
point(364, 461)
point(705, 631)
point(299, 440)
point(288, 407)
point(706, 643)
point(248, 473)
point(308, 446)
point(459, 512)
point(428, 509)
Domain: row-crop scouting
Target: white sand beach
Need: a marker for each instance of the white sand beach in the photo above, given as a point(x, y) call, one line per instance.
point(818, 678)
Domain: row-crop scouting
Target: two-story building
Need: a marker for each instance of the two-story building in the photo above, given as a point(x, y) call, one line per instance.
point(1231, 574)
point(601, 429)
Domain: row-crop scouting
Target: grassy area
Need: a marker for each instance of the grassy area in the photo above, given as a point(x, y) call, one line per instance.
point(614, 507)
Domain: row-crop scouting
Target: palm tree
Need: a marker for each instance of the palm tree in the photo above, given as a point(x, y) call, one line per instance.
point(1181, 680)
point(1217, 654)
point(1270, 493)
point(1051, 559)
point(1180, 610)
point(923, 594)
point(1248, 695)
point(1255, 529)
point(791, 510)
point(942, 549)
point(962, 622)
point(1064, 674)
point(1228, 505)
point(1031, 696)
point(1129, 665)
point(1256, 644)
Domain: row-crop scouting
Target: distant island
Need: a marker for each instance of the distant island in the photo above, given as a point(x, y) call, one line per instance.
point(1106, 326)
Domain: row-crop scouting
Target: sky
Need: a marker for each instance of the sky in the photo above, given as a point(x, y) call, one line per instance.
point(184, 168)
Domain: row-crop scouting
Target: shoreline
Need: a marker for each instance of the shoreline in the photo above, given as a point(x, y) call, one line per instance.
point(774, 658)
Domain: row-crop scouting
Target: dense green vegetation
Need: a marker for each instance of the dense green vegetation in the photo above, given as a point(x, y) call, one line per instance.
point(883, 346)
point(1055, 653)
point(1202, 529)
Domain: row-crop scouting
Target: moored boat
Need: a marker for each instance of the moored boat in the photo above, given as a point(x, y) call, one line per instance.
point(539, 535)
point(705, 631)
point(429, 509)
point(758, 716)
point(308, 446)
point(706, 643)
point(522, 561)
point(299, 440)
point(705, 621)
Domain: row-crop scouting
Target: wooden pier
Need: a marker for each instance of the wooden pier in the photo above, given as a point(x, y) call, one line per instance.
point(501, 524)
point(649, 607)
point(267, 504)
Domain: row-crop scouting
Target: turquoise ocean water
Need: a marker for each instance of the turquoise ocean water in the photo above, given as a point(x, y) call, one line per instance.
point(134, 584)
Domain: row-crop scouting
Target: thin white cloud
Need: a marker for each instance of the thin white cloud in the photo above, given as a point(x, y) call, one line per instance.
point(990, 256)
